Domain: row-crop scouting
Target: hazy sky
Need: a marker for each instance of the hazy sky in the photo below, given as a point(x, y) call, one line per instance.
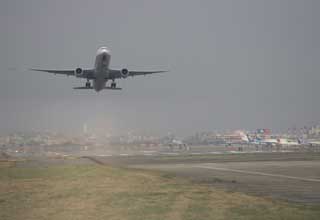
point(233, 64)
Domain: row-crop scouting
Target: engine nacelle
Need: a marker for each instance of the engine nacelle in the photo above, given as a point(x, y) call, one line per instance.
point(78, 72)
point(124, 73)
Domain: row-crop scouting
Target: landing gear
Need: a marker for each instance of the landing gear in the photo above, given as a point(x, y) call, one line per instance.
point(88, 84)
point(113, 85)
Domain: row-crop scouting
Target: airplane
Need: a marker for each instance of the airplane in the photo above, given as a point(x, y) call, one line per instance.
point(101, 72)
point(260, 141)
point(274, 142)
point(309, 142)
point(288, 142)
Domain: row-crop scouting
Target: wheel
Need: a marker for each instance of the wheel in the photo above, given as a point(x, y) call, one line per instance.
point(113, 85)
point(88, 85)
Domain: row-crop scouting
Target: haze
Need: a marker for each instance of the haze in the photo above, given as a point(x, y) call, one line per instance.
point(233, 64)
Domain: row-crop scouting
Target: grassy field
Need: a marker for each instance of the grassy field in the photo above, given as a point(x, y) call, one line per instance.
point(87, 191)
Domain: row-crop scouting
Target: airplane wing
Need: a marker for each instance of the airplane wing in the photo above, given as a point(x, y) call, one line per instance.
point(118, 73)
point(87, 74)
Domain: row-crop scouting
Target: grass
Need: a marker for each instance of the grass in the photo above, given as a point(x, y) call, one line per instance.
point(101, 192)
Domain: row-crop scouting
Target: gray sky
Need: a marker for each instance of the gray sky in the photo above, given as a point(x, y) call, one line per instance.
point(233, 64)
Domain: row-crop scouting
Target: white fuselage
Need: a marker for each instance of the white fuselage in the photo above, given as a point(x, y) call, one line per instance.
point(101, 68)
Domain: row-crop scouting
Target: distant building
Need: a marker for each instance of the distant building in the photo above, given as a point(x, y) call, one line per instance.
point(314, 131)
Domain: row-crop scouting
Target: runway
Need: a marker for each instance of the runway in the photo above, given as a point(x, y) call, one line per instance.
point(207, 166)
point(288, 176)
point(297, 181)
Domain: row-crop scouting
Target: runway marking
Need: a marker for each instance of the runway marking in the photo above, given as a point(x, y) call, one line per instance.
point(124, 154)
point(215, 152)
point(149, 151)
point(236, 152)
point(170, 153)
point(259, 173)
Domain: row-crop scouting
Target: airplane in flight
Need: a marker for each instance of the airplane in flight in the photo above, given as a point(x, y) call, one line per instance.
point(101, 72)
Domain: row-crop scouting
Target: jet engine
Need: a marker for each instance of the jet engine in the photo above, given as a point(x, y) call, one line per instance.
point(78, 72)
point(124, 73)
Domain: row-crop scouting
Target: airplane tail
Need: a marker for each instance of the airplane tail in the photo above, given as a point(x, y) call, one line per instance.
point(249, 138)
point(301, 141)
point(245, 137)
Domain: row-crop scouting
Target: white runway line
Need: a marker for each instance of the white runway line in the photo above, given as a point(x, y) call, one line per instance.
point(170, 153)
point(124, 154)
point(258, 173)
point(236, 152)
point(215, 152)
point(149, 151)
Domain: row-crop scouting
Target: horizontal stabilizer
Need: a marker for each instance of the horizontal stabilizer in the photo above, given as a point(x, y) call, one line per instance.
point(84, 87)
point(113, 88)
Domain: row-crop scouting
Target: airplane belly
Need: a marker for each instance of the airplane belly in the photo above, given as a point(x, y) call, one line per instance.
point(101, 70)
point(99, 84)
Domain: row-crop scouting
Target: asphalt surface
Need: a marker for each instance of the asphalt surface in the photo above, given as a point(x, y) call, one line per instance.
point(287, 176)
